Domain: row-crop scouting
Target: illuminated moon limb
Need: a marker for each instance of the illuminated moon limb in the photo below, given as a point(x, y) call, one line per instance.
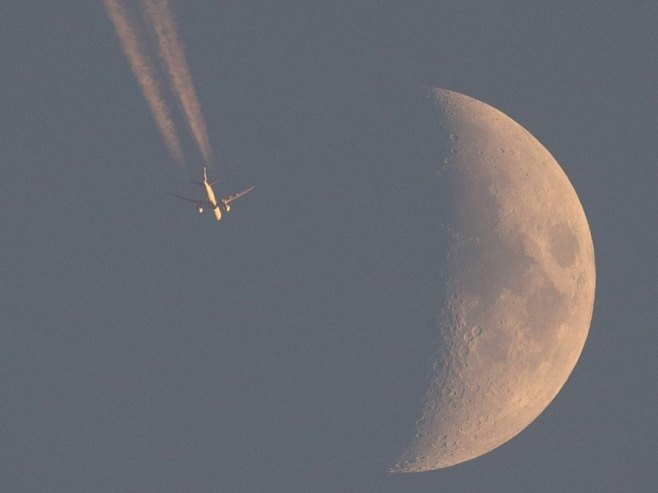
point(518, 289)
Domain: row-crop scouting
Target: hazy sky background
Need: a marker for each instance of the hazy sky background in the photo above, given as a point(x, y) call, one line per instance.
point(144, 347)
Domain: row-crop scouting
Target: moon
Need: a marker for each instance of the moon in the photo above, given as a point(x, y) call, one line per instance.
point(517, 291)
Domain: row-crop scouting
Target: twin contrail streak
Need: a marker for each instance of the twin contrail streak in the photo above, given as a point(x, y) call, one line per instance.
point(171, 52)
point(143, 71)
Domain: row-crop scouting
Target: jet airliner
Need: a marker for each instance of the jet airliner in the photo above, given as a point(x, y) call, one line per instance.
point(211, 200)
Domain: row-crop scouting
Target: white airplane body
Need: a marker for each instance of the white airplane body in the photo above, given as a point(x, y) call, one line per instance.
point(211, 200)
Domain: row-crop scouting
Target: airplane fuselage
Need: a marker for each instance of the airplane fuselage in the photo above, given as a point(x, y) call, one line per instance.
point(216, 209)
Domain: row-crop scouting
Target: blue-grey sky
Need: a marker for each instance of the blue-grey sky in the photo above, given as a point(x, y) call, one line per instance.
point(144, 347)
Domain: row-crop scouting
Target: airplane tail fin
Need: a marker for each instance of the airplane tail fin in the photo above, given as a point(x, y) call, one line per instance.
point(205, 178)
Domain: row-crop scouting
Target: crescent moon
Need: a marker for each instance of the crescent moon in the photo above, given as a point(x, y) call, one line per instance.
point(518, 293)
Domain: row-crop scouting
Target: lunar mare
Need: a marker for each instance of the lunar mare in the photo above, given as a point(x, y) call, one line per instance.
point(518, 291)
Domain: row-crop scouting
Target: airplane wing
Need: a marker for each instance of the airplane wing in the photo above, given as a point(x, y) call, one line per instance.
point(231, 198)
point(196, 201)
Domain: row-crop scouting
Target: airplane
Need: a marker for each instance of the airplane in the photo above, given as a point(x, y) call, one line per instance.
point(210, 200)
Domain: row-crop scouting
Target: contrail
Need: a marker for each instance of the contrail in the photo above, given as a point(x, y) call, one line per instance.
point(143, 71)
point(171, 52)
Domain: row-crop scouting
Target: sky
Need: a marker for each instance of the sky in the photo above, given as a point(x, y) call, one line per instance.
point(145, 347)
